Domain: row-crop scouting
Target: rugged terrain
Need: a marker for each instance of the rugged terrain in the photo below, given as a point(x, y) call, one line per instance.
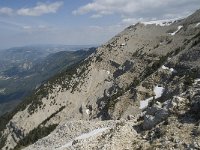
point(23, 69)
point(140, 90)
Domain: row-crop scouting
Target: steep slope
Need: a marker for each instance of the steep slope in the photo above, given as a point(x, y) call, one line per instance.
point(22, 62)
point(20, 83)
point(139, 74)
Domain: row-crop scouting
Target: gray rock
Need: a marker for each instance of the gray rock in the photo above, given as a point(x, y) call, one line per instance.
point(149, 122)
point(154, 115)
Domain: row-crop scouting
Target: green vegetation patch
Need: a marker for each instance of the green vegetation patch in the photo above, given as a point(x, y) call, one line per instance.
point(34, 135)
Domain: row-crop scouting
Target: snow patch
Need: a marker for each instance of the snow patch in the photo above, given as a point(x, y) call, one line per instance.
point(164, 67)
point(158, 93)
point(90, 134)
point(158, 90)
point(196, 81)
point(66, 145)
point(160, 22)
point(84, 136)
point(167, 68)
point(123, 44)
point(179, 98)
point(108, 72)
point(145, 103)
point(179, 28)
point(87, 111)
point(172, 70)
point(197, 24)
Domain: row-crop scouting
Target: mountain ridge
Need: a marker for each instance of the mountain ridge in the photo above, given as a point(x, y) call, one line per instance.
point(17, 81)
point(110, 85)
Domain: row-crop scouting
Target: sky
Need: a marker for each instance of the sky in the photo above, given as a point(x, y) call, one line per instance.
point(80, 22)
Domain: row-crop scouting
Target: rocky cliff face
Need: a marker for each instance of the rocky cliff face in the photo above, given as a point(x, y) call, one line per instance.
point(147, 76)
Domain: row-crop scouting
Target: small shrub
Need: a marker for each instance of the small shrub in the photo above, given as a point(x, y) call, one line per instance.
point(2, 141)
point(34, 135)
point(99, 59)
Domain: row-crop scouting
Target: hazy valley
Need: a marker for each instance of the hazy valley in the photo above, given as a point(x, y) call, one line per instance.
point(23, 69)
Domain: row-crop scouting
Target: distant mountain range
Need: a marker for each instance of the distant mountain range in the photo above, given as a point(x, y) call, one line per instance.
point(23, 69)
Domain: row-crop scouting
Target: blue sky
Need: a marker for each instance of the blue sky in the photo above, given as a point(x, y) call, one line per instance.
point(78, 22)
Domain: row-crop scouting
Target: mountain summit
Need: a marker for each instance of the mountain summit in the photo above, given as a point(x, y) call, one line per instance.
point(140, 90)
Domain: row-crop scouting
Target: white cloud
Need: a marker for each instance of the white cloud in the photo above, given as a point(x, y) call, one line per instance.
point(26, 27)
point(95, 27)
point(126, 6)
point(40, 9)
point(42, 27)
point(37, 28)
point(6, 11)
point(133, 10)
point(11, 24)
point(114, 6)
point(128, 21)
point(96, 16)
